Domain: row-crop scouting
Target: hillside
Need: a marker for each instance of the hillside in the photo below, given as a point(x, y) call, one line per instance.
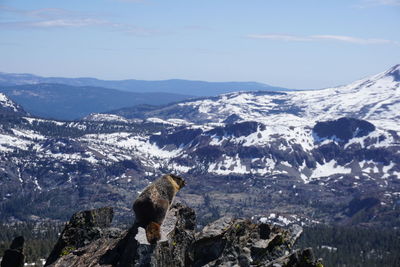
point(374, 98)
point(252, 154)
point(174, 86)
point(59, 101)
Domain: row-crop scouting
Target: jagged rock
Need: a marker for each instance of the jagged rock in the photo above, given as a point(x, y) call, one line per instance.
point(83, 228)
point(14, 256)
point(225, 242)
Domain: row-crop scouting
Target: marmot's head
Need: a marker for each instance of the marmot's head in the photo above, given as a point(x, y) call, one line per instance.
point(179, 180)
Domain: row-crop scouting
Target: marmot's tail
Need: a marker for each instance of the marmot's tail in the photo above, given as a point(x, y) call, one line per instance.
point(153, 233)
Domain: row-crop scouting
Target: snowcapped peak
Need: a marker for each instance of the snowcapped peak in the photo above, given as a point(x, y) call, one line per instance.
point(8, 104)
point(394, 72)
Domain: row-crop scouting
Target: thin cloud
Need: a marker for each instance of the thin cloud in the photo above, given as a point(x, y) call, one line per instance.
point(80, 23)
point(52, 23)
point(350, 39)
point(279, 37)
point(42, 13)
point(339, 38)
point(56, 23)
point(52, 18)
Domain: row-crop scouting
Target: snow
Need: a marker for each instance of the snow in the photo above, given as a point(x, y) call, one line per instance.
point(329, 168)
point(180, 168)
point(288, 118)
point(373, 92)
point(35, 181)
point(376, 99)
point(105, 117)
point(9, 143)
point(123, 145)
point(156, 120)
point(172, 122)
point(28, 134)
point(329, 248)
point(177, 122)
point(279, 219)
point(388, 139)
point(284, 220)
point(32, 120)
point(77, 125)
point(7, 103)
point(228, 165)
point(294, 135)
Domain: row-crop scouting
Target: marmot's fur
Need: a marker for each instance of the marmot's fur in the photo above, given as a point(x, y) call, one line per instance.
point(153, 203)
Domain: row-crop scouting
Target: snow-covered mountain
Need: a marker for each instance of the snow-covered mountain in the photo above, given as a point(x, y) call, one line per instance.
point(375, 98)
point(328, 147)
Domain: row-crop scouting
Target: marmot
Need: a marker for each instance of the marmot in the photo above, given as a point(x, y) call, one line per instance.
point(153, 203)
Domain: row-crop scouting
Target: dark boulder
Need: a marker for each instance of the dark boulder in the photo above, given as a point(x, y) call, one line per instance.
point(14, 256)
point(83, 228)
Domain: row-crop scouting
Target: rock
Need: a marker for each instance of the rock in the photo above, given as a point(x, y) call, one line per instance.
point(237, 129)
point(14, 256)
point(82, 229)
point(225, 242)
point(265, 230)
point(342, 129)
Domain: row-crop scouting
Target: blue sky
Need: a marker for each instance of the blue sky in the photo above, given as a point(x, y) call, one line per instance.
point(294, 44)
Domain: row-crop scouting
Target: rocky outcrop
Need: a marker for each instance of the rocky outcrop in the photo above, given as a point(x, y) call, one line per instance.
point(237, 129)
point(14, 256)
point(342, 129)
point(225, 242)
point(83, 229)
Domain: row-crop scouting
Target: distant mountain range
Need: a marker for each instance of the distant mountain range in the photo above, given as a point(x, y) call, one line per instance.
point(376, 99)
point(65, 102)
point(173, 86)
point(327, 155)
point(74, 98)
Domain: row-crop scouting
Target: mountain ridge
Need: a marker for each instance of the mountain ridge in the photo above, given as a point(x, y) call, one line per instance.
point(257, 151)
point(177, 86)
point(375, 98)
point(60, 101)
